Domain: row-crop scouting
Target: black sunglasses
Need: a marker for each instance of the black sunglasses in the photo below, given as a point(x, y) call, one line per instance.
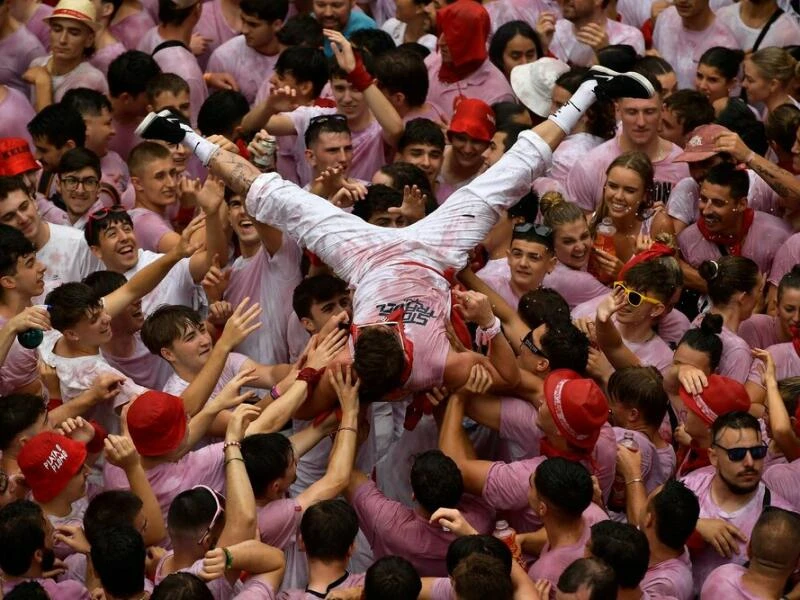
point(527, 341)
point(538, 229)
point(323, 119)
point(738, 454)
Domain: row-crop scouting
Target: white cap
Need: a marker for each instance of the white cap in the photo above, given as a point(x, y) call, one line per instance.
point(533, 83)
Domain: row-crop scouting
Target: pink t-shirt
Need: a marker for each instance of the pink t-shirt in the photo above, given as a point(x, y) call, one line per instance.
point(766, 235)
point(270, 280)
point(635, 12)
point(255, 589)
point(683, 48)
point(279, 521)
point(125, 139)
point(576, 287)
point(570, 152)
point(115, 173)
point(132, 28)
point(393, 528)
point(785, 31)
point(566, 47)
point(177, 287)
point(501, 283)
point(17, 51)
point(20, 368)
point(784, 480)
point(652, 473)
point(248, 67)
point(725, 583)
point(672, 577)
point(552, 561)
point(15, 113)
point(62, 590)
point(179, 60)
point(67, 258)
point(82, 76)
point(744, 519)
point(145, 368)
point(233, 364)
point(487, 83)
point(760, 331)
point(736, 358)
point(148, 42)
point(212, 25)
point(787, 256)
point(352, 580)
point(221, 588)
point(585, 181)
point(204, 466)
point(445, 189)
point(105, 56)
point(38, 26)
point(149, 227)
point(787, 363)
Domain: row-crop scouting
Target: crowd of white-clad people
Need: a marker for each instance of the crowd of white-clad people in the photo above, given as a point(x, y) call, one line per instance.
point(398, 299)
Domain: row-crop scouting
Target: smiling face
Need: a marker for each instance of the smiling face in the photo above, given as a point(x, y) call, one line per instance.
point(573, 243)
point(156, 183)
point(93, 329)
point(19, 211)
point(190, 351)
point(242, 223)
point(79, 190)
point(425, 156)
point(28, 281)
point(789, 309)
point(623, 192)
point(467, 151)
point(721, 212)
point(332, 14)
point(118, 248)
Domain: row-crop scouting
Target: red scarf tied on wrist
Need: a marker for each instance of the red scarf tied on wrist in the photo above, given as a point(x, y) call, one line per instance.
point(466, 26)
point(733, 242)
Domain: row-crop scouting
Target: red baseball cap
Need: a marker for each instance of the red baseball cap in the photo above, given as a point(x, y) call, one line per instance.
point(16, 157)
point(473, 117)
point(721, 396)
point(48, 461)
point(578, 407)
point(156, 423)
point(702, 143)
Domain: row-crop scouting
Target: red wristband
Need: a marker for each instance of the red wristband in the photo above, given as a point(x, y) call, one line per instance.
point(360, 77)
point(98, 441)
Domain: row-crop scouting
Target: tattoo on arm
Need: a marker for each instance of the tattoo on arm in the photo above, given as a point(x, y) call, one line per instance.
point(237, 173)
point(775, 177)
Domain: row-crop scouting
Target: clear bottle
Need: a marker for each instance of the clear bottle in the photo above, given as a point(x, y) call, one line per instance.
point(629, 441)
point(604, 240)
point(508, 535)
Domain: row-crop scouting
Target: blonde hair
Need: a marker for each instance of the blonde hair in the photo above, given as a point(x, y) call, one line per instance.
point(557, 210)
point(776, 63)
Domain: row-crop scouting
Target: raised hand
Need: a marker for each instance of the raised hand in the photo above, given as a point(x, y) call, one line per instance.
point(452, 520)
point(610, 305)
point(77, 429)
point(242, 416)
point(229, 396)
point(185, 246)
point(243, 321)
point(215, 281)
point(212, 195)
point(282, 99)
point(326, 350)
point(342, 49)
point(769, 364)
point(475, 307)
point(413, 206)
point(213, 565)
point(106, 387)
point(346, 387)
point(73, 536)
point(121, 452)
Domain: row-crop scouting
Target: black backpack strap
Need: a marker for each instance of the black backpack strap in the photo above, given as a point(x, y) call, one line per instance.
point(764, 30)
point(168, 44)
point(767, 498)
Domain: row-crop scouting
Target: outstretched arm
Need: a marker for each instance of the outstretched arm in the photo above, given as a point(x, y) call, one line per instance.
point(237, 172)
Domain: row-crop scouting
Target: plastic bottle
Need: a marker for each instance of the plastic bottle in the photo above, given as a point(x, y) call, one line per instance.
point(629, 441)
point(31, 338)
point(604, 240)
point(506, 534)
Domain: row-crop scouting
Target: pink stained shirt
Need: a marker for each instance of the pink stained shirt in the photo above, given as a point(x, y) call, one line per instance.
point(672, 577)
point(15, 113)
point(766, 235)
point(635, 12)
point(487, 83)
point(177, 287)
point(17, 51)
point(787, 363)
point(181, 61)
point(67, 258)
point(787, 256)
point(105, 56)
point(145, 368)
point(255, 589)
point(63, 590)
point(248, 67)
point(149, 40)
point(270, 280)
point(125, 139)
point(233, 364)
point(19, 369)
point(212, 25)
point(575, 286)
point(552, 561)
point(279, 522)
point(760, 331)
point(149, 227)
point(82, 76)
point(566, 47)
point(352, 580)
point(132, 28)
point(115, 173)
point(783, 32)
point(204, 466)
point(505, 11)
point(706, 560)
point(784, 479)
point(444, 189)
point(725, 583)
point(736, 359)
point(585, 181)
point(683, 48)
point(652, 472)
point(570, 152)
point(393, 528)
point(221, 588)
point(501, 283)
point(38, 26)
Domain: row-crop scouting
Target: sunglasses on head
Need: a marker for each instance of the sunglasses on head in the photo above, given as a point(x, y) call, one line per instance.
point(217, 513)
point(738, 454)
point(527, 341)
point(102, 213)
point(633, 297)
point(323, 119)
point(537, 228)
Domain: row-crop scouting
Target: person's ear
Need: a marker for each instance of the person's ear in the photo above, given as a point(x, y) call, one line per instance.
point(657, 310)
point(308, 325)
point(8, 282)
point(712, 457)
point(71, 335)
point(137, 183)
point(168, 355)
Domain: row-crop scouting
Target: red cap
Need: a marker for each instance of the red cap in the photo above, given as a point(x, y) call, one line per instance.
point(16, 157)
point(48, 461)
point(702, 143)
point(721, 396)
point(473, 117)
point(156, 423)
point(578, 407)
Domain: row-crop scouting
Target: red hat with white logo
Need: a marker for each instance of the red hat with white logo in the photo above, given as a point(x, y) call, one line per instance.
point(16, 157)
point(721, 396)
point(578, 406)
point(48, 461)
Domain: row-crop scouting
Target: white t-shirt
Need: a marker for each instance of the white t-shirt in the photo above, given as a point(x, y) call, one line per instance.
point(397, 29)
point(67, 258)
point(177, 287)
point(784, 31)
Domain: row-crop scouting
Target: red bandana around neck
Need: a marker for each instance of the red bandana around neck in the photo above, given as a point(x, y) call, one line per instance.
point(732, 242)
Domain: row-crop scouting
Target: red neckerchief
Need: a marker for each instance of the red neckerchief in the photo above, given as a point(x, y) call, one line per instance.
point(466, 26)
point(693, 458)
point(733, 242)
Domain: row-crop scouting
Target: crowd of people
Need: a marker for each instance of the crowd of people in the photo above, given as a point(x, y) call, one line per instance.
point(400, 299)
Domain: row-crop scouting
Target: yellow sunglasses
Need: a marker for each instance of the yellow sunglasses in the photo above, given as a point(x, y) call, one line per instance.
point(633, 297)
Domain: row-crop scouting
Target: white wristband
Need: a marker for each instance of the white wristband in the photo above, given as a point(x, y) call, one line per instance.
point(484, 336)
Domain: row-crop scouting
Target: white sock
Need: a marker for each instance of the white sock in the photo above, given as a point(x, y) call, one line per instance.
point(200, 146)
point(567, 116)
